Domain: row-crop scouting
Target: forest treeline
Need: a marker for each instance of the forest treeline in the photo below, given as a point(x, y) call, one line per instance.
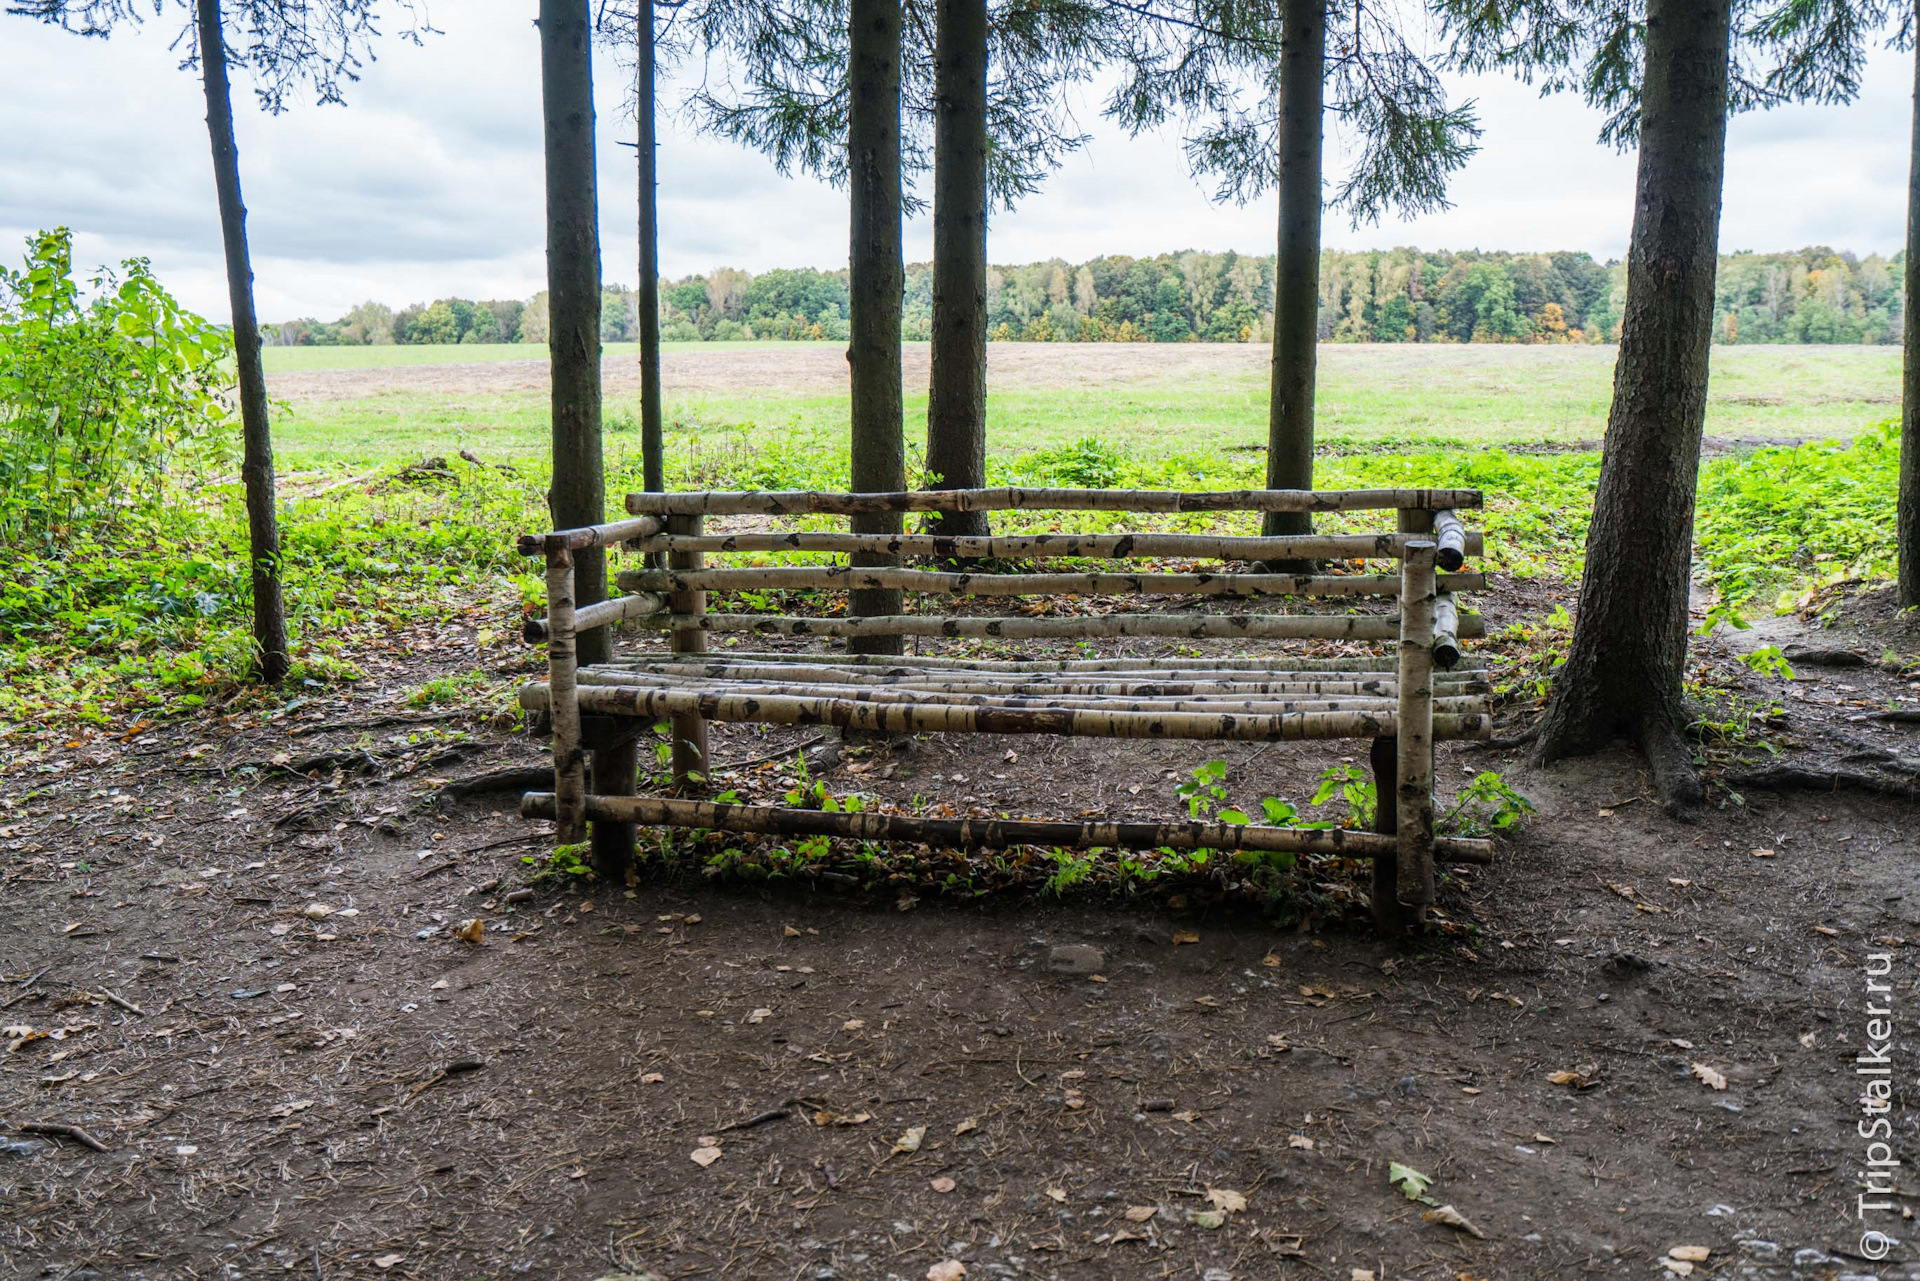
point(1813, 295)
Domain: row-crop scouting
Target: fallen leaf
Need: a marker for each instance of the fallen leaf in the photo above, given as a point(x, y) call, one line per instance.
point(947, 1270)
point(469, 931)
point(1709, 1077)
point(652, 1078)
point(1808, 1040)
point(760, 1015)
point(1188, 1117)
point(1275, 1041)
point(967, 1126)
point(1454, 1219)
point(1690, 1253)
point(1763, 853)
point(1271, 961)
point(1208, 1219)
point(438, 985)
point(1211, 1002)
point(1412, 1184)
point(1226, 1199)
point(1583, 1077)
point(316, 911)
point(1300, 1141)
point(910, 1140)
point(386, 1261)
point(1827, 930)
point(1185, 936)
point(1362, 1274)
point(943, 1185)
point(1141, 1213)
point(853, 1025)
point(705, 1156)
point(1678, 1267)
point(906, 901)
point(836, 1118)
point(1058, 1194)
point(791, 933)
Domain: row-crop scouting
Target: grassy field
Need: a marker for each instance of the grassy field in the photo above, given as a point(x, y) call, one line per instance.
point(350, 406)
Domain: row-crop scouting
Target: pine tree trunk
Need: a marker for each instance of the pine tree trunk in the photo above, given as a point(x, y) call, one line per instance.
point(256, 467)
point(1296, 302)
point(957, 390)
point(1622, 677)
point(653, 461)
point(876, 284)
point(1909, 511)
point(578, 496)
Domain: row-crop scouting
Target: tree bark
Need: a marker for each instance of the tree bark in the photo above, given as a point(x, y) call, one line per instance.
point(876, 285)
point(256, 467)
point(957, 388)
point(1296, 300)
point(652, 456)
point(578, 496)
point(1908, 538)
point(1622, 677)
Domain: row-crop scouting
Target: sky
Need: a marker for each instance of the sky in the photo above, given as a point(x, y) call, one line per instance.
point(428, 183)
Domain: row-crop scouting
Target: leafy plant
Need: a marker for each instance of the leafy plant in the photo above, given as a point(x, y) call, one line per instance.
point(565, 861)
point(1769, 661)
point(1203, 792)
point(1354, 786)
point(1488, 804)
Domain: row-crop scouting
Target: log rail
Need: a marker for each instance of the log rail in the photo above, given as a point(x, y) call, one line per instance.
point(1421, 694)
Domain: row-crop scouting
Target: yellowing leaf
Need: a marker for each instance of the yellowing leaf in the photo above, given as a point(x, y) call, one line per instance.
point(1185, 936)
point(1226, 1199)
point(910, 1140)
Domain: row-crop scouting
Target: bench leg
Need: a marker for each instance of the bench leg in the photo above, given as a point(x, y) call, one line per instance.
point(615, 773)
point(1388, 915)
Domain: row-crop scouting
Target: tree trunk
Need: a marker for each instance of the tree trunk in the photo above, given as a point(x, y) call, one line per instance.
point(1909, 517)
point(1622, 677)
point(578, 496)
point(652, 457)
point(876, 284)
point(1296, 300)
point(256, 467)
point(957, 390)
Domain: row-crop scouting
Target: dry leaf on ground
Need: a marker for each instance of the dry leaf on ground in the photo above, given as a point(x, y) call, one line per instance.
point(705, 1156)
point(947, 1270)
point(1226, 1199)
point(1452, 1218)
point(1141, 1213)
point(1710, 1077)
point(910, 1141)
point(1690, 1253)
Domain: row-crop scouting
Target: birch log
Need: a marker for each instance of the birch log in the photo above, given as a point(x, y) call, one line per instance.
point(993, 833)
point(573, 540)
point(1103, 546)
point(690, 752)
point(1450, 541)
point(796, 502)
point(1446, 631)
point(1416, 726)
point(845, 578)
point(1070, 627)
point(569, 756)
point(599, 614)
point(933, 717)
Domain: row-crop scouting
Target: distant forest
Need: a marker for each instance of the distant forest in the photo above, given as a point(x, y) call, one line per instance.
point(1815, 295)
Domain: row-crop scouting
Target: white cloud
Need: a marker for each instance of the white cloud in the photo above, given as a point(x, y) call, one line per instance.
point(429, 182)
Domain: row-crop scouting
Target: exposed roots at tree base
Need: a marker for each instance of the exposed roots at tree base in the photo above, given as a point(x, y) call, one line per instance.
point(1786, 778)
point(1561, 733)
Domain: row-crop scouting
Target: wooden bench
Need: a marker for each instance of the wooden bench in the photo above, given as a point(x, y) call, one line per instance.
point(1404, 701)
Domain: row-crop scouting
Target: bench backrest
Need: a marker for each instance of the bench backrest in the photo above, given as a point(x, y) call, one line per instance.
point(674, 524)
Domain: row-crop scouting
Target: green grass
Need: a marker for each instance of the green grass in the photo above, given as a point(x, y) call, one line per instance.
point(1151, 400)
point(150, 619)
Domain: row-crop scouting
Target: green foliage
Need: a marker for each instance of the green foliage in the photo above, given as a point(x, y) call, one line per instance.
point(1488, 804)
point(566, 862)
point(449, 691)
point(1786, 512)
point(1769, 661)
point(1353, 785)
point(102, 397)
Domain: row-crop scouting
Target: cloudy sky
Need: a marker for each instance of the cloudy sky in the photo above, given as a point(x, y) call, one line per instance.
point(429, 182)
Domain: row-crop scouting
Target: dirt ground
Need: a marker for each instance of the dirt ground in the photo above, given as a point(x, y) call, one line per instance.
point(1638, 1035)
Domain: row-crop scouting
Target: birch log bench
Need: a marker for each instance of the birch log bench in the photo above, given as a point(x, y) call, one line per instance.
point(1405, 700)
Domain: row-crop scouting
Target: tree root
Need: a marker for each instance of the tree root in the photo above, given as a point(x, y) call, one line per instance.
point(1675, 780)
point(535, 778)
point(1785, 778)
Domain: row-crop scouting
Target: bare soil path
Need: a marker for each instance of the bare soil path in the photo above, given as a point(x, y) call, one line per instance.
point(357, 1092)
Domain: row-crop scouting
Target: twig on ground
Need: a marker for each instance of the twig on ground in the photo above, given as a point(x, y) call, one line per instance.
point(62, 1129)
point(758, 1118)
point(723, 766)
